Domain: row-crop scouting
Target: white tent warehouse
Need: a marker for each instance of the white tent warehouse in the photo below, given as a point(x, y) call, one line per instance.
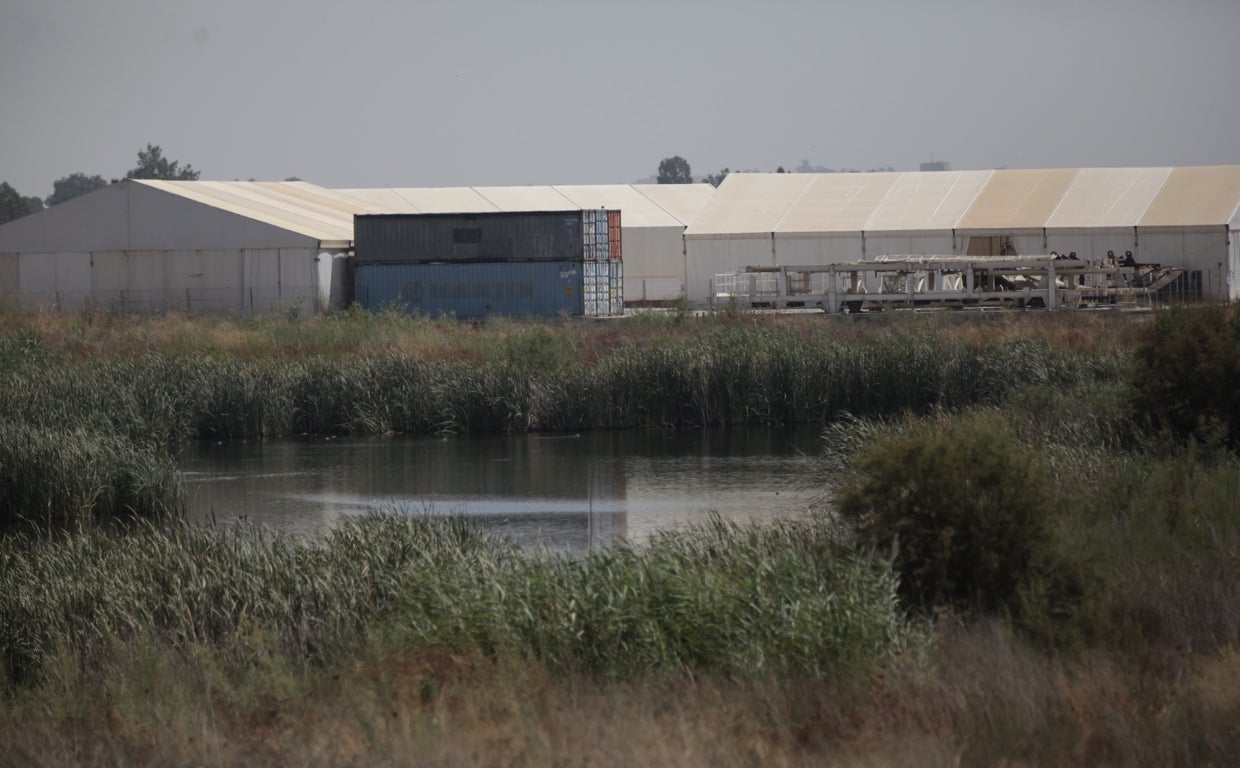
point(1186, 217)
point(189, 245)
point(270, 246)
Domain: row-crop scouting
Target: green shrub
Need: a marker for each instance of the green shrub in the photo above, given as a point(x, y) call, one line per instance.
point(1186, 373)
point(962, 507)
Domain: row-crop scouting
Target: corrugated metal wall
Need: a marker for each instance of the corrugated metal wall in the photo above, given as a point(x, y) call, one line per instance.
point(474, 289)
point(469, 237)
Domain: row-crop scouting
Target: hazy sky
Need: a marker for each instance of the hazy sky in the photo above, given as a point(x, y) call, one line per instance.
point(367, 93)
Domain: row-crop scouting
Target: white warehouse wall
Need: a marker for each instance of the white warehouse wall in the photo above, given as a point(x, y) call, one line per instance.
point(710, 255)
point(1193, 248)
point(899, 244)
point(1233, 274)
point(265, 280)
point(654, 263)
point(817, 248)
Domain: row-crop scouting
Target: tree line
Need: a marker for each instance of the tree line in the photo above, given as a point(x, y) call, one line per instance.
point(676, 170)
point(151, 165)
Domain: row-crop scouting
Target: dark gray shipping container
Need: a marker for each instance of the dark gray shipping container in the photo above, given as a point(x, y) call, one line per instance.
point(479, 289)
point(472, 237)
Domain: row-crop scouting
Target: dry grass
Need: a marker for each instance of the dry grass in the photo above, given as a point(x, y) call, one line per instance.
point(986, 700)
point(96, 332)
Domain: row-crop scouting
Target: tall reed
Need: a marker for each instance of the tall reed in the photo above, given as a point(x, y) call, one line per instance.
point(762, 375)
point(718, 597)
point(70, 474)
point(722, 598)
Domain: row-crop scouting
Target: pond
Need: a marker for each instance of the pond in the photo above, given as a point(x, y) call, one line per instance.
point(570, 492)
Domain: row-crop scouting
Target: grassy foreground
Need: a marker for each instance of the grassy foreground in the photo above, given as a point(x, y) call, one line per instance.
point(1027, 553)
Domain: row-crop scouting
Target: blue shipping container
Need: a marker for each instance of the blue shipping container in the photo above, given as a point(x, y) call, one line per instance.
point(463, 290)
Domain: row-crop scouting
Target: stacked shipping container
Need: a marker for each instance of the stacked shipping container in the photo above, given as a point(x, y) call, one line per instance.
point(604, 270)
point(479, 264)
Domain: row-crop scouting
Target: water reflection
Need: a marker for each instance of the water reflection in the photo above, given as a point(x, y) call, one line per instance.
point(566, 491)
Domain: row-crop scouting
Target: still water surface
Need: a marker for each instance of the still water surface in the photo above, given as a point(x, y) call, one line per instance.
point(564, 491)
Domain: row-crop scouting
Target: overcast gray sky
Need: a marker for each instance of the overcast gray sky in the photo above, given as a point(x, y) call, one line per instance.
point(368, 93)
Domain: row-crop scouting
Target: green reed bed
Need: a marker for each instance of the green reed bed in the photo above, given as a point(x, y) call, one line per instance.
point(721, 598)
point(724, 376)
point(717, 598)
point(65, 474)
point(237, 591)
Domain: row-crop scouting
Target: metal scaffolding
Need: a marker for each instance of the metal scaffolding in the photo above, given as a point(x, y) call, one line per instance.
point(1050, 282)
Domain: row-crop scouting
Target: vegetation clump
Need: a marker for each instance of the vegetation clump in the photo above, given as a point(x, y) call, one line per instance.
point(65, 474)
point(1185, 374)
point(960, 505)
point(718, 599)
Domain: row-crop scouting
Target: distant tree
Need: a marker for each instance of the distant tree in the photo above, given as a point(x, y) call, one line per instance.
point(805, 167)
point(716, 179)
point(675, 170)
point(13, 205)
point(153, 165)
point(780, 169)
point(74, 185)
point(293, 178)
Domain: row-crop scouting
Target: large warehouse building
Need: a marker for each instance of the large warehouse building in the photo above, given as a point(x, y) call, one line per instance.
point(1186, 217)
point(267, 246)
point(183, 245)
point(279, 246)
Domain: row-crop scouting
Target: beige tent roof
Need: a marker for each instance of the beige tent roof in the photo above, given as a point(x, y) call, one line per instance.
point(927, 201)
point(295, 206)
point(1108, 197)
point(750, 203)
point(837, 202)
point(1200, 196)
point(643, 205)
point(636, 210)
point(1018, 199)
point(384, 200)
point(684, 201)
point(444, 200)
point(516, 199)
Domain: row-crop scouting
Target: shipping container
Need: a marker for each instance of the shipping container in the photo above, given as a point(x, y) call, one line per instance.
point(473, 237)
point(482, 289)
point(473, 265)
